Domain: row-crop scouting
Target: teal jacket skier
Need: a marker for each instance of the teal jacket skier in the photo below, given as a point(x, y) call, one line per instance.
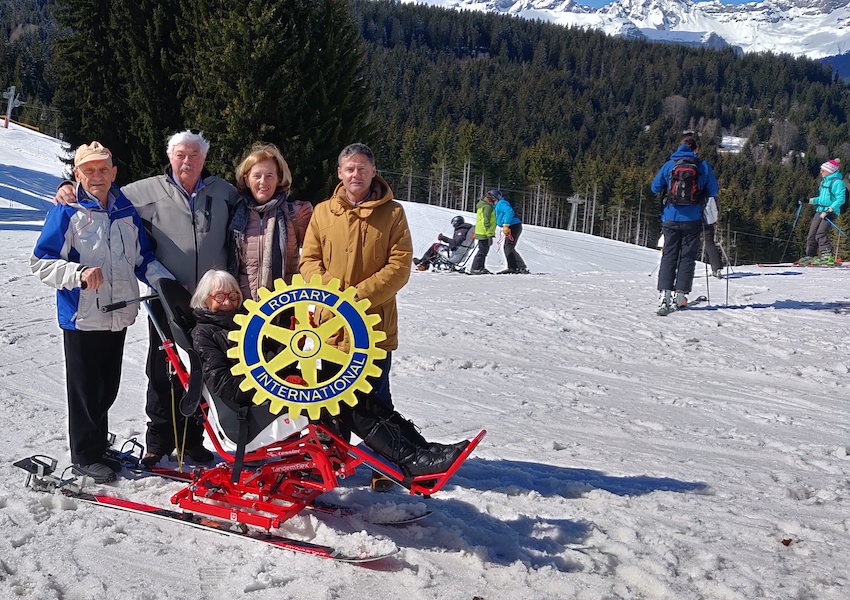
point(828, 204)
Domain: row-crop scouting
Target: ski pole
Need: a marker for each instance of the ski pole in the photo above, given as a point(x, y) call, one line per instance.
point(837, 228)
point(793, 226)
point(660, 246)
point(654, 270)
point(123, 303)
point(705, 255)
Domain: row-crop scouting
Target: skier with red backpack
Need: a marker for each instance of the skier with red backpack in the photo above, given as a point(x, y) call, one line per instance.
point(686, 181)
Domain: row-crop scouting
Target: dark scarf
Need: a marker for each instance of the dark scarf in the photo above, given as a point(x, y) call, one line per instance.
point(239, 222)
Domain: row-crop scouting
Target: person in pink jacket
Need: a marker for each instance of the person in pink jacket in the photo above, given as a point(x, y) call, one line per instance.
point(266, 230)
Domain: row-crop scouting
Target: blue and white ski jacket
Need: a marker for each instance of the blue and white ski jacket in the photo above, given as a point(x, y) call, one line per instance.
point(84, 234)
point(707, 183)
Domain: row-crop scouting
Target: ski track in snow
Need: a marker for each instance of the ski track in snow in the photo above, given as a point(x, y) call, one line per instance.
point(628, 456)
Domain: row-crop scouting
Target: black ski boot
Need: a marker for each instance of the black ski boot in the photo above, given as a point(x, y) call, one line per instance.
point(408, 430)
point(388, 440)
point(411, 432)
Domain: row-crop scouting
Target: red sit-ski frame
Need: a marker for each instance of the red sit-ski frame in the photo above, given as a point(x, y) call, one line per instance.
point(281, 479)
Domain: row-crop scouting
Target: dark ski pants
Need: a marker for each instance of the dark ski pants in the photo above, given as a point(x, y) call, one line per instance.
point(378, 403)
point(431, 254)
point(165, 432)
point(515, 262)
point(481, 255)
point(818, 239)
point(92, 375)
point(363, 417)
point(681, 245)
point(712, 248)
point(381, 384)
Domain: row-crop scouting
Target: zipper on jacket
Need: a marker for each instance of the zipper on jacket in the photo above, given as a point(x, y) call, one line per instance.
point(195, 240)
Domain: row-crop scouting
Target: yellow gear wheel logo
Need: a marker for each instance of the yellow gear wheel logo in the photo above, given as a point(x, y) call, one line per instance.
point(305, 344)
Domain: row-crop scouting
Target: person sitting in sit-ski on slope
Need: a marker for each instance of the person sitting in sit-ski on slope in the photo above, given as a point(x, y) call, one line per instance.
point(382, 429)
point(445, 243)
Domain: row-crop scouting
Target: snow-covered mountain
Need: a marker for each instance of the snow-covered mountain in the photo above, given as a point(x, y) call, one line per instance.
point(813, 28)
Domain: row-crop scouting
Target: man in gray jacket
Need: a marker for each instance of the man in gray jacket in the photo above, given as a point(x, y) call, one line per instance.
point(186, 211)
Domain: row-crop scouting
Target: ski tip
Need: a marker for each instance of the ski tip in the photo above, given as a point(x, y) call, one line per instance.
point(362, 559)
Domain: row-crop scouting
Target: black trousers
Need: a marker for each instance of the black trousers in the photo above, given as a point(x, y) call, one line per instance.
point(515, 262)
point(163, 397)
point(371, 407)
point(430, 254)
point(92, 375)
point(681, 245)
point(712, 248)
point(481, 256)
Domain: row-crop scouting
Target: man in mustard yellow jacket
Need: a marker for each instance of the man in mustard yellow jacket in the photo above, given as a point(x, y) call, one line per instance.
point(361, 237)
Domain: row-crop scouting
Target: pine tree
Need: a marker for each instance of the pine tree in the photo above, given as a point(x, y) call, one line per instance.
point(88, 83)
point(147, 52)
point(286, 72)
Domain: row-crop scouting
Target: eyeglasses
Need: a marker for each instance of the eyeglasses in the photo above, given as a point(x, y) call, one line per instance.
point(220, 297)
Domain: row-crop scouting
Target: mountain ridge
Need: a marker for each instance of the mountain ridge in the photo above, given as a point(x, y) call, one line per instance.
point(813, 28)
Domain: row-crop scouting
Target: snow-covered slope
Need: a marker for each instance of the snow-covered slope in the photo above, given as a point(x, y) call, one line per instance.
point(700, 455)
point(814, 28)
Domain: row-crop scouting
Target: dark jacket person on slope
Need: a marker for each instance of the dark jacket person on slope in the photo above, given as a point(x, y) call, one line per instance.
point(681, 219)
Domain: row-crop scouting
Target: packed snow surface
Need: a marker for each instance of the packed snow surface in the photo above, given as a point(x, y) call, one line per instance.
point(699, 455)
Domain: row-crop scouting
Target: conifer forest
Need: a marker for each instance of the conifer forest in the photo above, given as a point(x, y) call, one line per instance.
point(572, 125)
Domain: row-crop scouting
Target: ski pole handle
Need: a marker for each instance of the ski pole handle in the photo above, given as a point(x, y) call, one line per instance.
point(114, 306)
point(118, 305)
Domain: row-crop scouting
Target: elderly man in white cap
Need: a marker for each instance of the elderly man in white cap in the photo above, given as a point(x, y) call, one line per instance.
point(92, 250)
point(828, 204)
point(186, 210)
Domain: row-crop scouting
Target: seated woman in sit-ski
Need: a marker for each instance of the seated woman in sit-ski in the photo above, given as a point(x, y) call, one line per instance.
point(215, 302)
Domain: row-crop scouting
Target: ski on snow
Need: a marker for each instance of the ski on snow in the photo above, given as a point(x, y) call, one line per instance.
point(226, 528)
point(666, 310)
point(792, 265)
point(40, 477)
point(319, 506)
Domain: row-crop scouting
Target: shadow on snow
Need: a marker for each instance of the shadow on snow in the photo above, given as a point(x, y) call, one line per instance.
point(517, 478)
point(779, 305)
point(534, 540)
point(25, 187)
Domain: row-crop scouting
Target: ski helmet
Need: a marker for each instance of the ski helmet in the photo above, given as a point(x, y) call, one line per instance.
point(494, 195)
point(457, 221)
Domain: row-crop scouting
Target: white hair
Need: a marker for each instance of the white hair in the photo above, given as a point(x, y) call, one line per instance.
point(188, 137)
point(213, 281)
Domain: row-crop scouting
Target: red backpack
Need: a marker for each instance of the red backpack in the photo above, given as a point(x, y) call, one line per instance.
point(684, 183)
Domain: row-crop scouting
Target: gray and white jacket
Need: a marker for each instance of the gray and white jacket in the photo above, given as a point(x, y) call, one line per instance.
point(189, 234)
point(84, 234)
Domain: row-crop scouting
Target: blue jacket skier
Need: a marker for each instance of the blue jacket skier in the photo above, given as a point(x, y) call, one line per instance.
point(511, 226)
point(681, 223)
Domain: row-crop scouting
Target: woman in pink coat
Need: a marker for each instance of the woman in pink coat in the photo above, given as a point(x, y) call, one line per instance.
point(266, 230)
